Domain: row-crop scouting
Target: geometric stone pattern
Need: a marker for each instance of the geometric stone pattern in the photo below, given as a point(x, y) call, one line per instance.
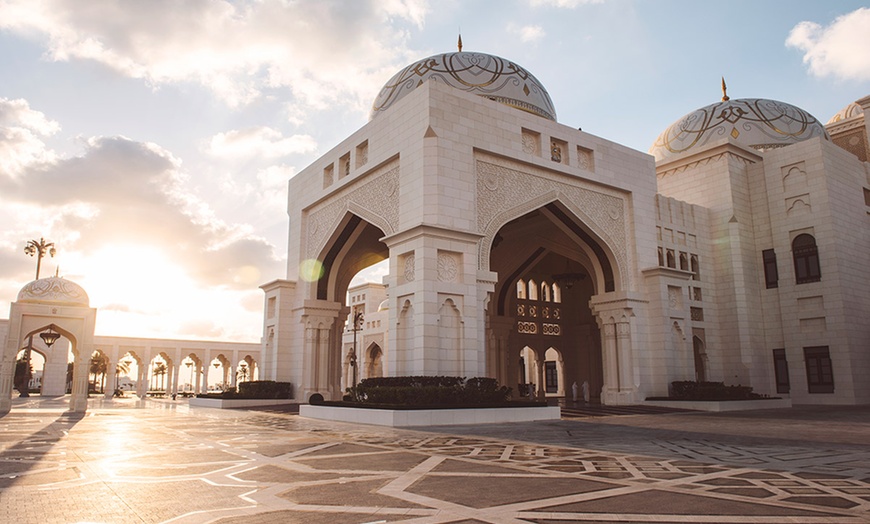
point(168, 462)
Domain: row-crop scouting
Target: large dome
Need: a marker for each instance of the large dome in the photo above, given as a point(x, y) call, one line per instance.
point(485, 75)
point(54, 290)
point(754, 122)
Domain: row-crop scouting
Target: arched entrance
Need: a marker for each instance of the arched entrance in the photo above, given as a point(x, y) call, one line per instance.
point(36, 312)
point(354, 245)
point(550, 267)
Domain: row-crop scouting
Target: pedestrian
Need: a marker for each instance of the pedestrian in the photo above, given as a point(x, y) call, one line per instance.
point(585, 392)
point(574, 390)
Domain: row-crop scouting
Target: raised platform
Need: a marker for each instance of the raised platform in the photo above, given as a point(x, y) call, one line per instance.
point(722, 405)
point(429, 417)
point(231, 403)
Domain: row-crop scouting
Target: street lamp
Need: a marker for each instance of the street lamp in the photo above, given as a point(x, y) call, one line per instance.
point(39, 249)
point(243, 370)
point(219, 385)
point(189, 365)
point(357, 325)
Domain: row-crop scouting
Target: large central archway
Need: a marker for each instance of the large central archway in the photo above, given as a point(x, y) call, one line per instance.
point(549, 268)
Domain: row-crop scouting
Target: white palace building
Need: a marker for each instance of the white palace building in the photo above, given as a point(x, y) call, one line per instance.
point(519, 248)
point(736, 250)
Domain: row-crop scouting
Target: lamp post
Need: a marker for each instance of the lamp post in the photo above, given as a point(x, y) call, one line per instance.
point(243, 370)
point(189, 365)
point(39, 249)
point(357, 325)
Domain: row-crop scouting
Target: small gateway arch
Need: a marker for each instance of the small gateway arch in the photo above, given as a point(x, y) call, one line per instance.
point(61, 306)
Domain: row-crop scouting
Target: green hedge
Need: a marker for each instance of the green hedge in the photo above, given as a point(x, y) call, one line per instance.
point(422, 390)
point(691, 390)
point(256, 389)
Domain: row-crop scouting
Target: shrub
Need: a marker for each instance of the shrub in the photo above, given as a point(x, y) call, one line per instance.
point(422, 390)
point(265, 389)
point(258, 389)
point(692, 390)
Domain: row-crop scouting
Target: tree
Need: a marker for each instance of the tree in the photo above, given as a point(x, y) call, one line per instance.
point(99, 365)
point(160, 371)
point(22, 375)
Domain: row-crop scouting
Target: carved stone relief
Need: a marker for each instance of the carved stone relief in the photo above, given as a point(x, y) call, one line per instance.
point(376, 193)
point(506, 187)
point(448, 267)
point(410, 269)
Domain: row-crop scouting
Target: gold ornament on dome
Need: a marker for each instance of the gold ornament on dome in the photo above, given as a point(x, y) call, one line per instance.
point(755, 122)
point(53, 290)
point(485, 75)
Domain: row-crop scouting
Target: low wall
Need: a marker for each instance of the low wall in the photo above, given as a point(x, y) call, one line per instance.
point(429, 417)
point(722, 405)
point(229, 403)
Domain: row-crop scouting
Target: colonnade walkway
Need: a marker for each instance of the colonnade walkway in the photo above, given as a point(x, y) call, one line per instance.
point(135, 461)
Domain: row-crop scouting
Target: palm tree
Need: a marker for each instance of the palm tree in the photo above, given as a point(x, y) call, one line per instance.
point(160, 371)
point(98, 367)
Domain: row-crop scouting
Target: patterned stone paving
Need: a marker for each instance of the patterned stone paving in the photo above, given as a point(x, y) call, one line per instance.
point(160, 461)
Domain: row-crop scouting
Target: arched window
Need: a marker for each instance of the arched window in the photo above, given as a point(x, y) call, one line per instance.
point(661, 257)
point(533, 290)
point(521, 288)
point(672, 262)
point(557, 293)
point(545, 292)
point(806, 259)
point(684, 262)
point(696, 267)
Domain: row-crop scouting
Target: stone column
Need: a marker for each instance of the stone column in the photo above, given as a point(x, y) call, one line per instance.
point(78, 401)
point(616, 313)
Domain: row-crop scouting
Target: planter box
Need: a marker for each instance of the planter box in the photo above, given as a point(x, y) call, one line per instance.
point(722, 405)
point(429, 417)
point(230, 403)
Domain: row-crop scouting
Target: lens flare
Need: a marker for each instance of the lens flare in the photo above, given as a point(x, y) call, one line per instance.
point(311, 270)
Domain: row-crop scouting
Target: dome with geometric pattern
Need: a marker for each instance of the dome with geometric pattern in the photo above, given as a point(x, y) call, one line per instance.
point(754, 122)
point(850, 111)
point(54, 290)
point(482, 74)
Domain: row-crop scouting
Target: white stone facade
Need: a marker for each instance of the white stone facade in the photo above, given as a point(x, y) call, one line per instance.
point(483, 208)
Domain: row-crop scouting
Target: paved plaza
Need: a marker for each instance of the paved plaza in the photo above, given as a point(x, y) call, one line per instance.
point(129, 461)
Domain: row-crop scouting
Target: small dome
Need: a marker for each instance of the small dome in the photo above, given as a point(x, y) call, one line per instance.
point(754, 122)
point(485, 75)
point(53, 290)
point(384, 306)
point(851, 110)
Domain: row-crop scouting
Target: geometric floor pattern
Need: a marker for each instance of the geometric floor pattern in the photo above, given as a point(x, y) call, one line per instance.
point(160, 461)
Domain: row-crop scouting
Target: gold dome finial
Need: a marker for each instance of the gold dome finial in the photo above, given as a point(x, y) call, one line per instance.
point(459, 43)
point(724, 91)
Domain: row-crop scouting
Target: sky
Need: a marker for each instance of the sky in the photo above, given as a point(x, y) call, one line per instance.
point(152, 141)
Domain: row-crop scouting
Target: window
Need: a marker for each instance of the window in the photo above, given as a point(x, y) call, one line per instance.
point(780, 368)
point(820, 373)
point(684, 262)
point(696, 267)
point(533, 290)
point(521, 289)
point(806, 259)
point(661, 257)
point(551, 376)
point(771, 275)
point(545, 292)
point(671, 260)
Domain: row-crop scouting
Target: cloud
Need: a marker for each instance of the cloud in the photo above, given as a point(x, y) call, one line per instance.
point(21, 132)
point(236, 49)
point(120, 192)
point(838, 50)
point(564, 4)
point(528, 33)
point(259, 142)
